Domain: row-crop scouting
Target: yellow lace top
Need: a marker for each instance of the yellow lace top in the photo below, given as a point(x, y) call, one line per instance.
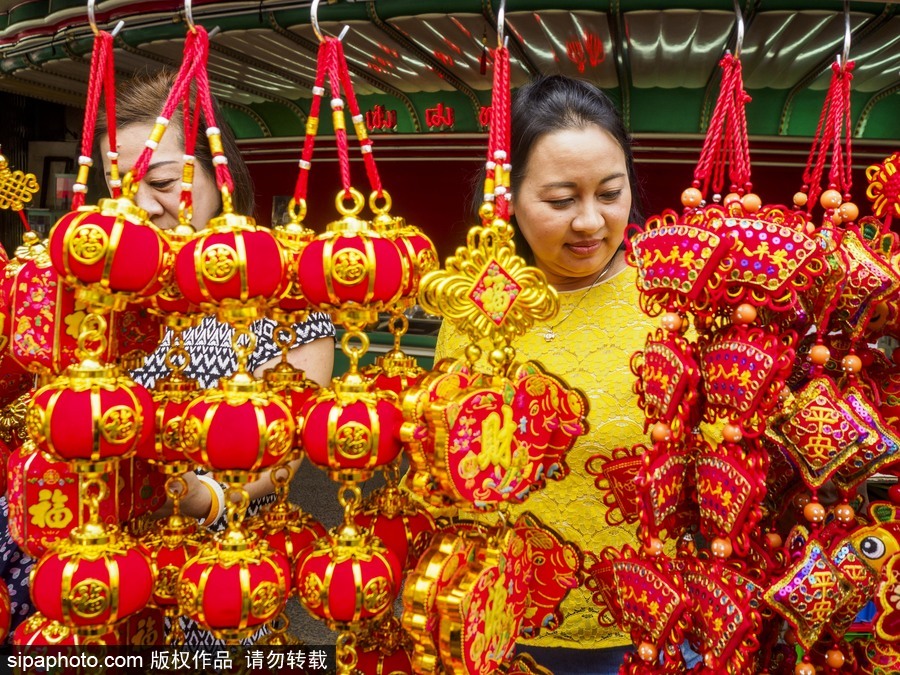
point(591, 351)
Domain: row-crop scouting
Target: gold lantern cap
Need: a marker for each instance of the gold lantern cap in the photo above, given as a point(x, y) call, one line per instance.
point(123, 207)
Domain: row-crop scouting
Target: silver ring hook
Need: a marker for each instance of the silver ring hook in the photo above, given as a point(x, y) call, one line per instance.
point(501, 23)
point(189, 16)
point(314, 21)
point(739, 42)
point(92, 18)
point(845, 54)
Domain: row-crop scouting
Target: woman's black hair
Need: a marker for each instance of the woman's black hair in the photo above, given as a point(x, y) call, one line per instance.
point(555, 102)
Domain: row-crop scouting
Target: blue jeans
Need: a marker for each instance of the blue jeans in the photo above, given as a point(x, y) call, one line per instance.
point(564, 661)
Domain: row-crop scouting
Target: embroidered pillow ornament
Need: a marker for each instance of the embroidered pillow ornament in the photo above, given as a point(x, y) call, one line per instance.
point(870, 457)
point(809, 593)
point(677, 263)
point(820, 432)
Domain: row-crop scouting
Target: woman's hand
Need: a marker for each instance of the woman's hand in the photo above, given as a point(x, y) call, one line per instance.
point(197, 501)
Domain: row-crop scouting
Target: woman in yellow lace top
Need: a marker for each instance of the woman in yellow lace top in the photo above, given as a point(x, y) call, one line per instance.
point(573, 194)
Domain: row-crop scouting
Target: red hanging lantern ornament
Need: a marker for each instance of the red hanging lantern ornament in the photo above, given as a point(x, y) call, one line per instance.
point(92, 414)
point(240, 428)
point(392, 516)
point(168, 546)
point(44, 316)
point(111, 250)
point(348, 578)
point(286, 527)
point(236, 583)
point(351, 270)
point(94, 578)
point(232, 266)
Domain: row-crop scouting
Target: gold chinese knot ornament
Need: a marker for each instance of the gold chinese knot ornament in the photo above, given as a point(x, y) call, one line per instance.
point(17, 188)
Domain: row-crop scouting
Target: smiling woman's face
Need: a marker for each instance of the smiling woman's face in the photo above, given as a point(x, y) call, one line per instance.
point(160, 190)
point(573, 203)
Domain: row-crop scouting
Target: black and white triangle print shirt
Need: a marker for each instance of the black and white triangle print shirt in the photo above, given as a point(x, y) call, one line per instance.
point(212, 357)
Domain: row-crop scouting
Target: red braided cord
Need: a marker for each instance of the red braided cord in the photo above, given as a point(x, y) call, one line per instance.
point(711, 155)
point(810, 178)
point(340, 134)
point(502, 119)
point(841, 166)
point(189, 64)
point(109, 88)
point(204, 96)
point(301, 187)
point(498, 152)
point(191, 119)
point(24, 220)
point(834, 124)
point(99, 62)
point(353, 105)
point(739, 168)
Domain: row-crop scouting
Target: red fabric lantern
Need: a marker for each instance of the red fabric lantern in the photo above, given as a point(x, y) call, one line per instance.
point(292, 385)
point(402, 526)
point(93, 580)
point(385, 648)
point(420, 254)
point(376, 662)
point(238, 430)
point(45, 502)
point(92, 414)
point(287, 529)
point(394, 371)
point(168, 548)
point(234, 585)
point(170, 397)
point(112, 245)
point(37, 630)
point(343, 266)
point(350, 432)
point(231, 260)
point(348, 578)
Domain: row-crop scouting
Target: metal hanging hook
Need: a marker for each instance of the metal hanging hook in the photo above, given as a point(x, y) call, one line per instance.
point(739, 42)
point(314, 21)
point(189, 16)
point(845, 54)
point(501, 23)
point(92, 20)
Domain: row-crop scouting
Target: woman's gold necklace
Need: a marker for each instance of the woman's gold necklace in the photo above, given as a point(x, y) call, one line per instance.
point(550, 331)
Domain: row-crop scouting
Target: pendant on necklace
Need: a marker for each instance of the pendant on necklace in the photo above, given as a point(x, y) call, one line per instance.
point(549, 335)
